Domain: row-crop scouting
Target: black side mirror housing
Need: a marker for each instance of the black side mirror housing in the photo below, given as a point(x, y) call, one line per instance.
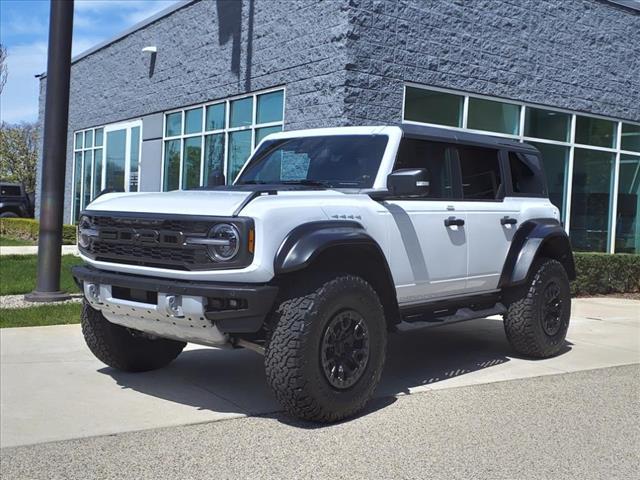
point(408, 182)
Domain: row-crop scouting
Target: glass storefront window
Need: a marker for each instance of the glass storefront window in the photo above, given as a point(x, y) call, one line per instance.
point(88, 139)
point(263, 132)
point(628, 214)
point(591, 197)
point(214, 159)
point(270, 107)
point(547, 124)
point(134, 159)
point(215, 117)
point(171, 173)
point(77, 184)
point(630, 137)
point(107, 162)
point(231, 131)
point(239, 151)
point(99, 135)
point(556, 165)
point(493, 116)
point(97, 172)
point(429, 106)
point(191, 163)
point(86, 178)
point(173, 125)
point(595, 131)
point(116, 159)
point(193, 121)
point(241, 112)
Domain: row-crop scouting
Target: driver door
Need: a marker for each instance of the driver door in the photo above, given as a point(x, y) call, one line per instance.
point(428, 250)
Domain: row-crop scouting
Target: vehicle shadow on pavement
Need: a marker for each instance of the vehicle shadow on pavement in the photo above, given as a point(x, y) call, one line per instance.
point(233, 381)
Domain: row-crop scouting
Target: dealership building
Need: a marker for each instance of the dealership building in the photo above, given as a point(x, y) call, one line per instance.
point(180, 100)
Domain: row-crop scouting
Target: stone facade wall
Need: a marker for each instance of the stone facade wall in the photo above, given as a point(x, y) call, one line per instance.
point(345, 62)
point(581, 55)
point(211, 50)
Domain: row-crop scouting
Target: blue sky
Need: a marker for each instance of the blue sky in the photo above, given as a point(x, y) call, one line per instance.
point(24, 30)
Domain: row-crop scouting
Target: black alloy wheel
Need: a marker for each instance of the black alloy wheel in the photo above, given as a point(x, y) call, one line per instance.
point(345, 349)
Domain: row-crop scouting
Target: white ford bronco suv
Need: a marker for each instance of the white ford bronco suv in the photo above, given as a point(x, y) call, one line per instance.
point(328, 240)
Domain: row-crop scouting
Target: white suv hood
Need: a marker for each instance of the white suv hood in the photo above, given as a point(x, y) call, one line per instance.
point(193, 202)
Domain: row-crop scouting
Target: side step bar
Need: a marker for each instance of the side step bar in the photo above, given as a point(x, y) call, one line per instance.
point(461, 315)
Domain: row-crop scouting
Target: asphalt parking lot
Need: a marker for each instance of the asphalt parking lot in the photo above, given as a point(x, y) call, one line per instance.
point(510, 418)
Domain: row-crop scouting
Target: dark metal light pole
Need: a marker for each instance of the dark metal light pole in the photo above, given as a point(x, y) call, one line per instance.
point(56, 117)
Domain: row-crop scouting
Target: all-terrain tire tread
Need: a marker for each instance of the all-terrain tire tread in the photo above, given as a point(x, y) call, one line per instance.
point(519, 320)
point(284, 359)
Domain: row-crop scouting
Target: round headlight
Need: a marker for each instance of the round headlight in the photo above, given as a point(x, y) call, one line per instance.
point(84, 229)
point(229, 242)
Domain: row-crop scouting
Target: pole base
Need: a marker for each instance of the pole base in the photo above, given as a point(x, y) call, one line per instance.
point(42, 297)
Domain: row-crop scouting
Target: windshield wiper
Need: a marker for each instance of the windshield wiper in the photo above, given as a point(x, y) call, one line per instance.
point(311, 183)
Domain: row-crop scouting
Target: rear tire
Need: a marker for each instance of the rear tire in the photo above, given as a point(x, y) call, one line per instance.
point(123, 349)
point(536, 324)
point(327, 347)
point(9, 215)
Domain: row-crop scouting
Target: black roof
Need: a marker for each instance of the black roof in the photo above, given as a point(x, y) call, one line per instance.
point(456, 136)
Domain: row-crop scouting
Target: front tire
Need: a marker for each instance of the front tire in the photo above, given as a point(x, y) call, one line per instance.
point(122, 349)
point(536, 324)
point(327, 348)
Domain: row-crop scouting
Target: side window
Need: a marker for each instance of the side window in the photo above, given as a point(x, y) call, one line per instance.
point(438, 158)
point(526, 174)
point(11, 191)
point(480, 168)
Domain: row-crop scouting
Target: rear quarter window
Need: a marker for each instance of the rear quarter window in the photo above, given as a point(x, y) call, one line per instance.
point(526, 175)
point(11, 191)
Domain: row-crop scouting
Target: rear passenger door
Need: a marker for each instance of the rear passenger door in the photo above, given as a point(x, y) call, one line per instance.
point(428, 257)
point(490, 226)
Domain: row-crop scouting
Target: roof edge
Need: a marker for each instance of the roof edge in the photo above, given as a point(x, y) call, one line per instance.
point(633, 5)
point(134, 28)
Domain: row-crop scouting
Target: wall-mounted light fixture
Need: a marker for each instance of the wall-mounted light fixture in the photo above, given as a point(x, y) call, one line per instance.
point(153, 51)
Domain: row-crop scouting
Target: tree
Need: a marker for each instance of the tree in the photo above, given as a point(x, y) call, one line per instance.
point(19, 153)
point(3, 67)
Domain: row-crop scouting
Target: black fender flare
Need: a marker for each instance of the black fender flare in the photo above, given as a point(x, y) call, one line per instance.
point(305, 242)
point(533, 237)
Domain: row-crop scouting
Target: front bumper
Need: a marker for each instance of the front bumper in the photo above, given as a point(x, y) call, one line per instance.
point(199, 312)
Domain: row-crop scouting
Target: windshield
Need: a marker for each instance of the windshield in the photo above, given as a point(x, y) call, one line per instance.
point(336, 161)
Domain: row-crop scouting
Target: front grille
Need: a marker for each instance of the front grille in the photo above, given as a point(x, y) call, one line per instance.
point(153, 241)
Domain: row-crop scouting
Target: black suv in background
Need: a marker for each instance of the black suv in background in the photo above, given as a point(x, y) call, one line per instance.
point(15, 201)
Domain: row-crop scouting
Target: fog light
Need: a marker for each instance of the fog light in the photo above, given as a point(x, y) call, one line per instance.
point(93, 291)
point(174, 305)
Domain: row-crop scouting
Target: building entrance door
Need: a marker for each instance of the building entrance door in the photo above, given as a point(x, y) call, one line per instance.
point(122, 157)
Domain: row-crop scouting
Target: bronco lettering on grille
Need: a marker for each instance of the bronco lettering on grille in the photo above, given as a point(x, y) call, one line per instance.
point(142, 236)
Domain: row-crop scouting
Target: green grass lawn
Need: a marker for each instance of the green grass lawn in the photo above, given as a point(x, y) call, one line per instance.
point(14, 242)
point(18, 274)
point(62, 314)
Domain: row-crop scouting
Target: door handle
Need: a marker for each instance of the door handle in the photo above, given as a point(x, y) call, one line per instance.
point(508, 221)
point(451, 221)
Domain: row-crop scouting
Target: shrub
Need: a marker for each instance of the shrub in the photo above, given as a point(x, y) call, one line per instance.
point(601, 273)
point(28, 228)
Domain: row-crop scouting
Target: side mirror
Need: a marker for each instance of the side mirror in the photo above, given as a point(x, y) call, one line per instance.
point(408, 182)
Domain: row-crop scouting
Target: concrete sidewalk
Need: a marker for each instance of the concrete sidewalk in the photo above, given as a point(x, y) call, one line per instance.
point(33, 250)
point(52, 388)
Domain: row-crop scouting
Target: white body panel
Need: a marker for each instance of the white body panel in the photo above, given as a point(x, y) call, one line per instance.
point(427, 260)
